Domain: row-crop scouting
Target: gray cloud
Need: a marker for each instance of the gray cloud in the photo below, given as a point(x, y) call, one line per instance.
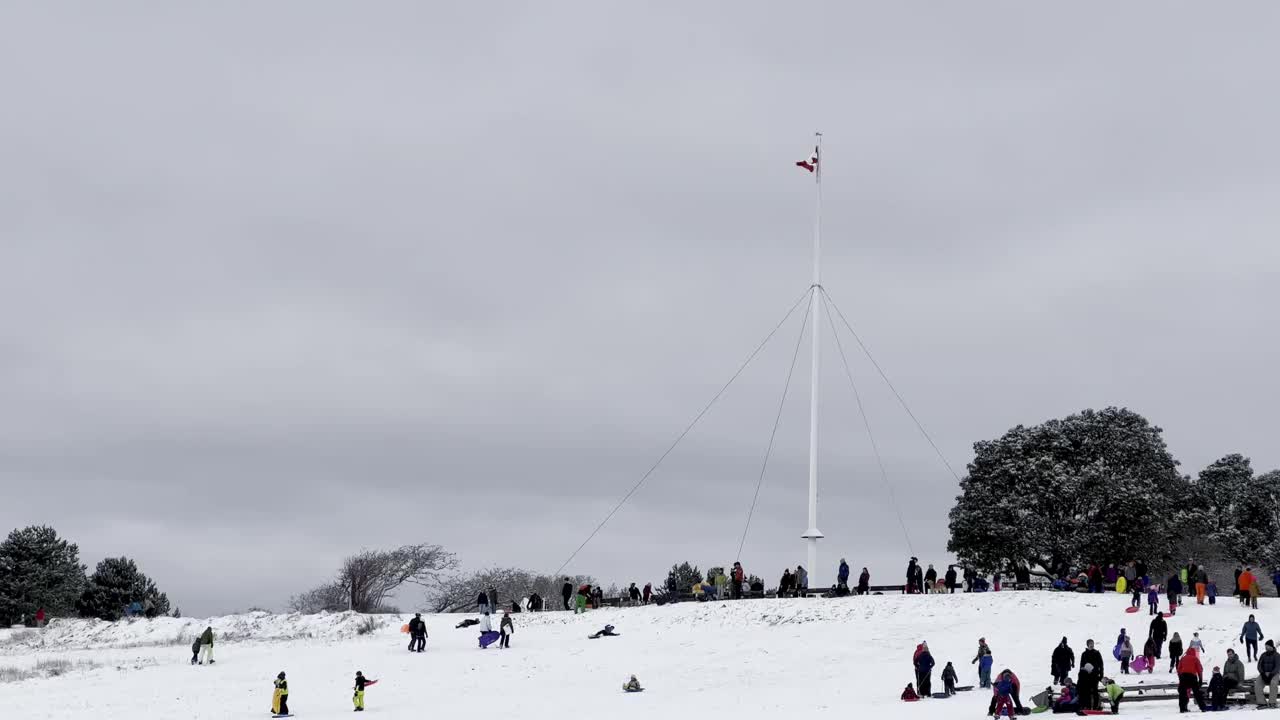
point(276, 282)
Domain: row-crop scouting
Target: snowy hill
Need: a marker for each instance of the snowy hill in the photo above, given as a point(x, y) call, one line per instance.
point(750, 659)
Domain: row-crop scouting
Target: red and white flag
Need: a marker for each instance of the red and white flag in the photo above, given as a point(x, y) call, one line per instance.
point(812, 163)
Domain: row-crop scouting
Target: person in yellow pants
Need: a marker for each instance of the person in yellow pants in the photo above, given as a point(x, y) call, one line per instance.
point(361, 683)
point(280, 699)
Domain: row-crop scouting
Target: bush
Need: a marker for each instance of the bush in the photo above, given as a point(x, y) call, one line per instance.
point(367, 626)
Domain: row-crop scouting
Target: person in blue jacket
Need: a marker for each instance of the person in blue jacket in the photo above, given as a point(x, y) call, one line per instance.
point(924, 670)
point(983, 660)
point(842, 577)
point(1004, 695)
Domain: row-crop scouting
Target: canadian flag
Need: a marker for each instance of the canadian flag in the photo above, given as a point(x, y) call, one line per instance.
point(812, 163)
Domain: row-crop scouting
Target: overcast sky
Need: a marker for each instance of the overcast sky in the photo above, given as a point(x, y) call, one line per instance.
point(281, 280)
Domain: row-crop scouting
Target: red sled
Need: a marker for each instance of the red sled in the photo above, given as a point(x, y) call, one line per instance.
point(1095, 712)
point(1166, 615)
point(1131, 609)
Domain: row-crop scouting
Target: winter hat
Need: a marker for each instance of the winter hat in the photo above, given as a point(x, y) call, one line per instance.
point(1271, 644)
point(281, 675)
point(1217, 669)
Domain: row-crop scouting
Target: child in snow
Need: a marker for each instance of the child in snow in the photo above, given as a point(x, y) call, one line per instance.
point(195, 651)
point(949, 679)
point(1217, 691)
point(361, 684)
point(983, 660)
point(1149, 652)
point(507, 629)
point(1196, 643)
point(1153, 599)
point(280, 698)
point(1126, 654)
point(632, 685)
point(1067, 701)
point(1175, 652)
point(1114, 693)
point(1213, 592)
point(910, 694)
point(1004, 695)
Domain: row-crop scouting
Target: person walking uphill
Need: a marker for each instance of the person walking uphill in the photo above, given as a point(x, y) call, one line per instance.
point(1159, 633)
point(1153, 600)
point(195, 651)
point(1175, 652)
point(360, 684)
point(983, 659)
point(206, 646)
point(924, 663)
point(1250, 634)
point(1246, 583)
point(1063, 661)
point(280, 698)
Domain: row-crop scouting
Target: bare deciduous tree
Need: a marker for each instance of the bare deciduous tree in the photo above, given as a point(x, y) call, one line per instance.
point(367, 579)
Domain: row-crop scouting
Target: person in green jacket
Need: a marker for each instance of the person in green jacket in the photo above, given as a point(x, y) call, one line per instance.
point(206, 646)
point(1114, 693)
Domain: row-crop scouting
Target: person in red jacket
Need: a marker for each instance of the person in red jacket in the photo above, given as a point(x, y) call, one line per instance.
point(1190, 678)
point(40, 618)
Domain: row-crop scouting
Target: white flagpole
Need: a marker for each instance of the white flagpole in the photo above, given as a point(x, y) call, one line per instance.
point(812, 535)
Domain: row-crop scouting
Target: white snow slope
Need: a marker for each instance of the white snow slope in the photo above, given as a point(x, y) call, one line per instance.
point(847, 657)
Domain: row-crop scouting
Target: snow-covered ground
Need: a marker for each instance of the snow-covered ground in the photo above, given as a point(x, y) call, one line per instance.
point(846, 657)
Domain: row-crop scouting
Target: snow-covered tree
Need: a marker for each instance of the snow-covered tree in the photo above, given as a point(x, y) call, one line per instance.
point(38, 570)
point(115, 584)
point(1219, 489)
point(1094, 487)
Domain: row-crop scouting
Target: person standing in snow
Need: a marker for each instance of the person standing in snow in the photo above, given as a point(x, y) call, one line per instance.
point(1087, 687)
point(923, 662)
point(1159, 632)
point(735, 582)
point(361, 683)
point(1202, 585)
point(1173, 588)
point(950, 579)
point(1268, 676)
point(1149, 652)
point(983, 660)
point(482, 603)
point(1153, 599)
point(1275, 580)
point(1250, 634)
point(1064, 659)
point(1126, 655)
point(648, 593)
point(842, 576)
point(1217, 691)
point(802, 580)
point(417, 634)
point(280, 698)
point(507, 628)
point(930, 579)
point(195, 651)
point(1247, 581)
point(1091, 659)
point(910, 587)
point(864, 582)
point(1175, 652)
point(1196, 644)
point(1190, 680)
point(949, 679)
point(566, 591)
point(634, 593)
point(206, 646)
point(785, 585)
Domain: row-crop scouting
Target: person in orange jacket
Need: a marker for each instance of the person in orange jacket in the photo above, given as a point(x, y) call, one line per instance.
point(1190, 678)
point(1246, 582)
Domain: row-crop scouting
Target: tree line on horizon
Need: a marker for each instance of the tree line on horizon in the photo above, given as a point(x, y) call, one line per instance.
point(41, 571)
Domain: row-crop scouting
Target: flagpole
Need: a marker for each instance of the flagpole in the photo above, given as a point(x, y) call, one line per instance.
point(812, 535)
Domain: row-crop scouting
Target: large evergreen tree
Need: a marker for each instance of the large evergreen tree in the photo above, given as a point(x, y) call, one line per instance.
point(115, 584)
point(1239, 514)
point(682, 577)
point(1097, 486)
point(38, 570)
